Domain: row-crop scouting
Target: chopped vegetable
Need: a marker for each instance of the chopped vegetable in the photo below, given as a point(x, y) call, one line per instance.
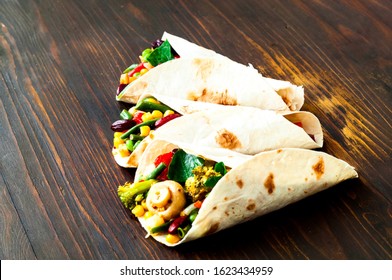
point(149, 105)
point(166, 119)
point(182, 165)
point(125, 115)
point(128, 192)
point(196, 187)
point(161, 54)
point(176, 224)
point(133, 129)
point(156, 172)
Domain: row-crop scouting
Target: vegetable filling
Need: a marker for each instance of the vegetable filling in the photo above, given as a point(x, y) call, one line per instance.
point(170, 196)
point(159, 52)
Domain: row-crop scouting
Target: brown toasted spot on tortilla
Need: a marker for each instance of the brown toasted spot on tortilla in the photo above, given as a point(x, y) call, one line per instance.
point(319, 168)
point(227, 213)
point(226, 198)
point(204, 68)
point(215, 97)
point(214, 208)
point(240, 183)
point(252, 205)
point(306, 179)
point(305, 192)
point(279, 151)
point(289, 189)
point(269, 183)
point(214, 227)
point(227, 139)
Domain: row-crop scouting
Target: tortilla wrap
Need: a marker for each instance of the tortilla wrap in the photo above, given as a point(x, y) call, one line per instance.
point(209, 77)
point(255, 186)
point(245, 130)
point(293, 95)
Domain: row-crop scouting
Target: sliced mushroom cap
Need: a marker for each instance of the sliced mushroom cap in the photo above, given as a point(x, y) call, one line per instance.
point(167, 199)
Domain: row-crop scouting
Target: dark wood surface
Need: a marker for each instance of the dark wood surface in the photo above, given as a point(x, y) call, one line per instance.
point(60, 63)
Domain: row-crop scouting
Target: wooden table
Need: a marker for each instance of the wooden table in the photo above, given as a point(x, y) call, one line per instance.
point(60, 63)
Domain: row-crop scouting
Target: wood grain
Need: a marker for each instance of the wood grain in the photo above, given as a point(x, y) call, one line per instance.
point(60, 63)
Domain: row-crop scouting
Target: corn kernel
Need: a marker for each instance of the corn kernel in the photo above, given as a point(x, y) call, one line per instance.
point(138, 211)
point(144, 130)
point(156, 114)
point(144, 204)
point(117, 142)
point(152, 100)
point(154, 221)
point(117, 134)
point(172, 238)
point(143, 71)
point(146, 117)
point(168, 112)
point(123, 150)
point(148, 214)
point(124, 79)
point(131, 79)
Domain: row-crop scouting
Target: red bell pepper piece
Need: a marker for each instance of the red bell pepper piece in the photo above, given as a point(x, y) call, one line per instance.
point(137, 117)
point(137, 69)
point(166, 119)
point(166, 159)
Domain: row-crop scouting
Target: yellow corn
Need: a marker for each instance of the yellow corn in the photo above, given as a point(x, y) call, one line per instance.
point(172, 238)
point(147, 116)
point(168, 112)
point(117, 134)
point(156, 114)
point(144, 204)
point(143, 71)
point(154, 221)
point(144, 130)
point(123, 150)
point(138, 211)
point(117, 141)
point(124, 79)
point(131, 79)
point(147, 214)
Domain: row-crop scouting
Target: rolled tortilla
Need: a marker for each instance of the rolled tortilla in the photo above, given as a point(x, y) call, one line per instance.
point(246, 130)
point(292, 94)
point(255, 185)
point(203, 75)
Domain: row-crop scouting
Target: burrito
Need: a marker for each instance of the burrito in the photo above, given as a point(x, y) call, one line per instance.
point(246, 130)
point(188, 71)
point(184, 192)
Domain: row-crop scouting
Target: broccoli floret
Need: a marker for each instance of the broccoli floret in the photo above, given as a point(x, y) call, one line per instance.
point(201, 183)
point(130, 194)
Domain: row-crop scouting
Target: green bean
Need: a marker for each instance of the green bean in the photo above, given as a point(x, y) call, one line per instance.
point(130, 145)
point(193, 214)
point(133, 129)
point(135, 137)
point(149, 106)
point(161, 228)
point(183, 231)
point(156, 172)
point(125, 115)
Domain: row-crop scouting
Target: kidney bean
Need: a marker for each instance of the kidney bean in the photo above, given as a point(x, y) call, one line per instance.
point(121, 125)
point(166, 119)
point(176, 224)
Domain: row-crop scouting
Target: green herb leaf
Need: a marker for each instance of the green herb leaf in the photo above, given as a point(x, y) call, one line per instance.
point(161, 54)
point(181, 166)
point(211, 182)
point(220, 167)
